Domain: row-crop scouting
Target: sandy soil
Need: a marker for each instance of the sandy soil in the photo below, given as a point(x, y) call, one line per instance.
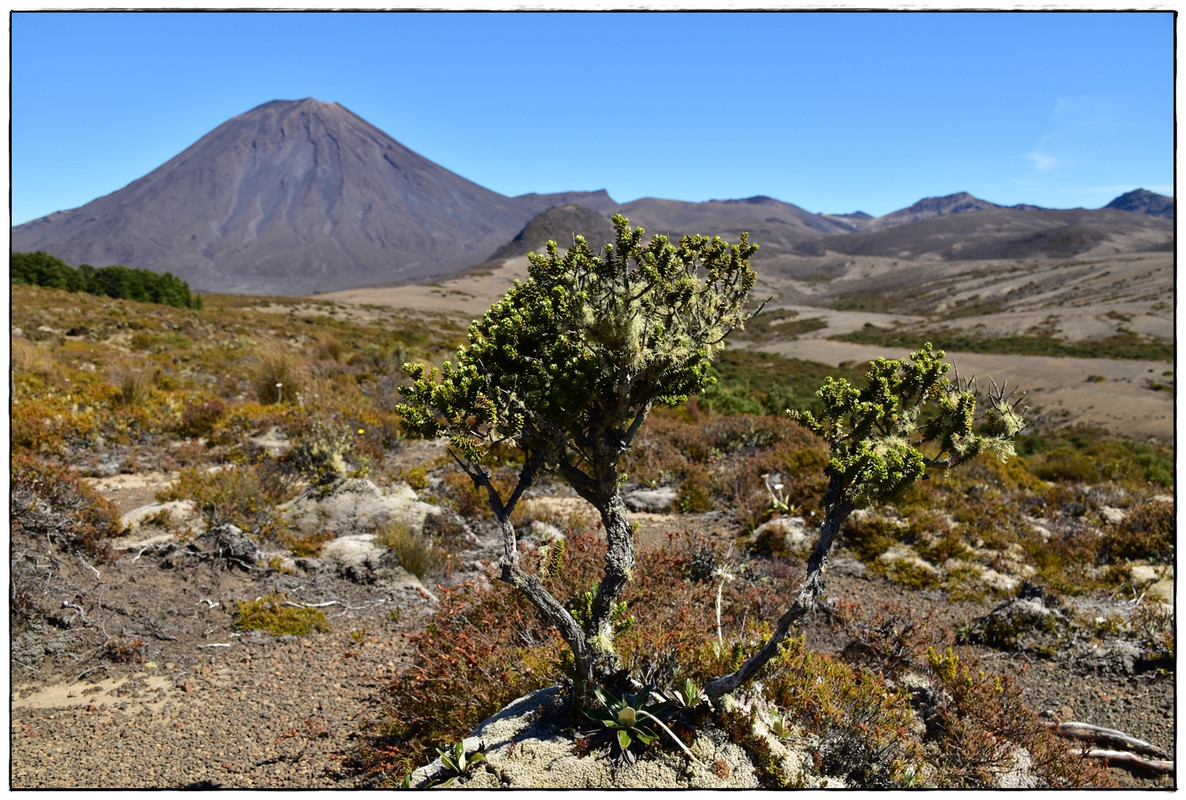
point(1061, 390)
point(1110, 393)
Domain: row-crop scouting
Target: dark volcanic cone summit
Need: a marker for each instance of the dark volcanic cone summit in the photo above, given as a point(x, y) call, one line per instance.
point(289, 198)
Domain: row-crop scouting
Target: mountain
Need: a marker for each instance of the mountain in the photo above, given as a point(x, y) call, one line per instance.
point(295, 197)
point(929, 207)
point(1142, 201)
point(1010, 233)
point(292, 197)
point(559, 224)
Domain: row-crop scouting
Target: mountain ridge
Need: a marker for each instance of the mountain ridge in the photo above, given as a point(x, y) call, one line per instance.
point(300, 196)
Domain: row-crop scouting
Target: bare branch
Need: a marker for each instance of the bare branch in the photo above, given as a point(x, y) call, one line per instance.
point(1093, 734)
point(1133, 762)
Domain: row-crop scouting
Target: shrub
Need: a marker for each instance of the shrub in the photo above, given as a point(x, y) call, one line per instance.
point(467, 666)
point(42, 269)
point(1147, 533)
point(693, 496)
point(50, 502)
point(134, 384)
point(200, 416)
point(567, 367)
point(981, 721)
point(327, 449)
point(244, 496)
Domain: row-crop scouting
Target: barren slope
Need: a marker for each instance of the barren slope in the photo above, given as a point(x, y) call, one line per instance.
point(289, 198)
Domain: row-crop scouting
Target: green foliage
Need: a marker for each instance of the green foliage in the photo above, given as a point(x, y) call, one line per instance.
point(875, 433)
point(42, 269)
point(586, 344)
point(582, 610)
point(752, 382)
point(1122, 346)
point(1093, 455)
point(628, 723)
point(271, 615)
point(455, 763)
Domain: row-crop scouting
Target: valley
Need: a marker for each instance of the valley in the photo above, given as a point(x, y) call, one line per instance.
point(1087, 300)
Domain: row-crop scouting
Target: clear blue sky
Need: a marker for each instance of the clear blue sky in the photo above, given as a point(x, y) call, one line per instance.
point(834, 112)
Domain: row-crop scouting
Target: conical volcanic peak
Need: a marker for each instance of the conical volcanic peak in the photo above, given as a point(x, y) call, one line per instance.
point(290, 197)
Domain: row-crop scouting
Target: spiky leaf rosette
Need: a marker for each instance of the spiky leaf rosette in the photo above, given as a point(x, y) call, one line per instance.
point(581, 350)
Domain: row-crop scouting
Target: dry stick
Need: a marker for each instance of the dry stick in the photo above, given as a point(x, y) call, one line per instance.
point(1094, 734)
point(1132, 762)
point(674, 738)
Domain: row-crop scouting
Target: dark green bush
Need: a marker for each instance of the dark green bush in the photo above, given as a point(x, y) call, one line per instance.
point(42, 269)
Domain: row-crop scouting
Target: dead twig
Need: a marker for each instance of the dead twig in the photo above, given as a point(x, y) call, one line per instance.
point(1093, 734)
point(1133, 762)
point(84, 562)
point(78, 608)
point(86, 672)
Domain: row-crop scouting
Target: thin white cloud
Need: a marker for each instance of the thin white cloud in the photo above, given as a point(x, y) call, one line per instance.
point(1041, 158)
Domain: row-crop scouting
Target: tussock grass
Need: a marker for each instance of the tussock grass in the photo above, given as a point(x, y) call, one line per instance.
point(280, 377)
point(417, 553)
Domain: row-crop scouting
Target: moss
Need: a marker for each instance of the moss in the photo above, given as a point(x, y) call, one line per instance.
point(868, 537)
point(911, 574)
point(270, 615)
point(963, 583)
point(416, 477)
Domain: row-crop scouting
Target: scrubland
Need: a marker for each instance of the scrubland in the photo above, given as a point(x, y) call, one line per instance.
point(1014, 589)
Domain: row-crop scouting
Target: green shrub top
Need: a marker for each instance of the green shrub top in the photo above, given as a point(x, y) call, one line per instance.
point(587, 344)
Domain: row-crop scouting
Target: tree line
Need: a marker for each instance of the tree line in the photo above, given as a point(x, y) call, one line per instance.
point(42, 269)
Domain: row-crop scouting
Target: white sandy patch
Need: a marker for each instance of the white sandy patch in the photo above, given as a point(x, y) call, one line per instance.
point(80, 693)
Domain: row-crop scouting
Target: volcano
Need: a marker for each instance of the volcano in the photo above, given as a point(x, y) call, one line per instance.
point(293, 197)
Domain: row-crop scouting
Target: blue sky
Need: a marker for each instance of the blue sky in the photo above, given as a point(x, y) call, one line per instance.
point(833, 112)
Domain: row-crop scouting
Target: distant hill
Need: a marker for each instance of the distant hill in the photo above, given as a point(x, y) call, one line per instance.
point(559, 224)
point(1142, 201)
point(290, 198)
point(1009, 233)
point(930, 207)
point(295, 197)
